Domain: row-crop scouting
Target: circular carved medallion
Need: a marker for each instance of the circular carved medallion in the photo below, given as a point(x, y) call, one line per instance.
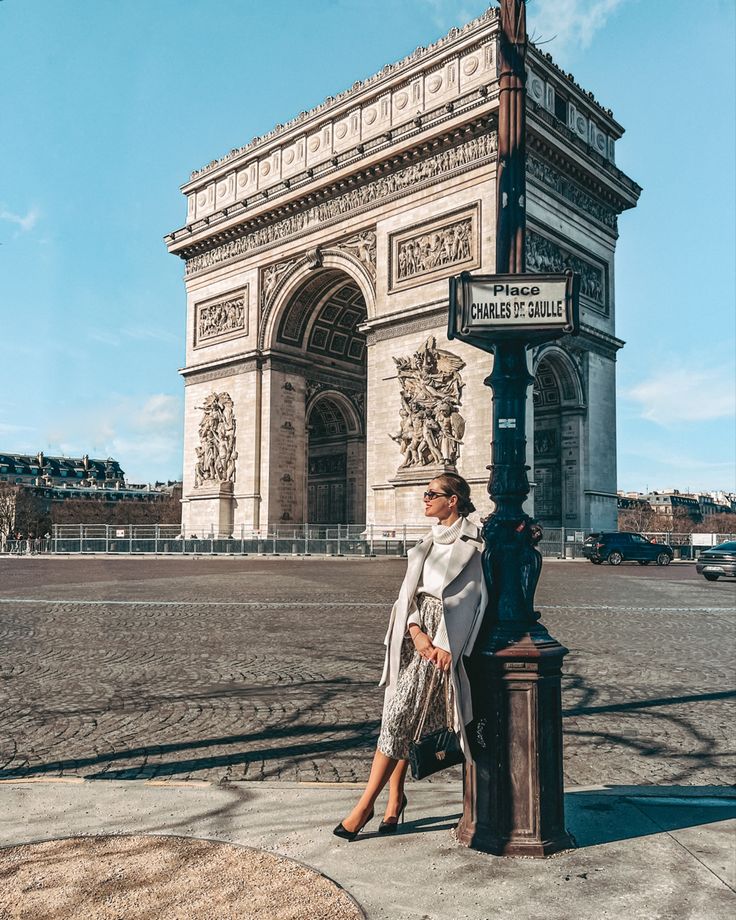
point(202, 198)
point(243, 179)
point(265, 169)
point(401, 100)
point(470, 66)
point(341, 131)
point(314, 144)
point(289, 156)
point(370, 116)
point(434, 84)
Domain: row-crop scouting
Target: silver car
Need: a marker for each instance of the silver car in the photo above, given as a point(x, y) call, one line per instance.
point(718, 561)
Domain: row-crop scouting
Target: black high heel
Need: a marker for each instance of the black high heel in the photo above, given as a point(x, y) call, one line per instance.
point(389, 827)
point(341, 831)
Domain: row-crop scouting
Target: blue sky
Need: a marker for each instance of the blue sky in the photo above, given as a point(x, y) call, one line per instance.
point(107, 106)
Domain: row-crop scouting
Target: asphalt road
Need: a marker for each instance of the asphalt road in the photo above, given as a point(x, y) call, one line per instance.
point(257, 668)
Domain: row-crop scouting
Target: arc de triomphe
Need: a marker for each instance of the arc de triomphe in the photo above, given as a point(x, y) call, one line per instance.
point(320, 385)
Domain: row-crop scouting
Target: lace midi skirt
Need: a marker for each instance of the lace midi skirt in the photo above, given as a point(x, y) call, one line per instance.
point(402, 715)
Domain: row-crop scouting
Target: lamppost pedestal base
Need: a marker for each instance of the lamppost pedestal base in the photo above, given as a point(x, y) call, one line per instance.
point(514, 804)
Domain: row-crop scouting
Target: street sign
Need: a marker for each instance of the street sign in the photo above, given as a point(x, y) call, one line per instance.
point(485, 309)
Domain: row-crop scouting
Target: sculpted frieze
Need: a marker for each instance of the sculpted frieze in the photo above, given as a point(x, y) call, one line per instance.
point(431, 428)
point(402, 181)
point(544, 255)
point(566, 188)
point(216, 454)
point(221, 319)
point(421, 256)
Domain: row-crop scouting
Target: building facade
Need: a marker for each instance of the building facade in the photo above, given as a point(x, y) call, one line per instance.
point(320, 384)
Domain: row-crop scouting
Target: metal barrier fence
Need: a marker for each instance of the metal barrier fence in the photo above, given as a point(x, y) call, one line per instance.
point(294, 540)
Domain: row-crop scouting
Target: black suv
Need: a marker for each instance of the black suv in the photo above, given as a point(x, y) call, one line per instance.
point(625, 547)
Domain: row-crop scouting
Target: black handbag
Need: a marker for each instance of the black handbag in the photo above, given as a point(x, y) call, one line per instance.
point(438, 750)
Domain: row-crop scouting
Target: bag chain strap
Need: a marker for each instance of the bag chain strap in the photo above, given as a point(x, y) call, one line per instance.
point(425, 708)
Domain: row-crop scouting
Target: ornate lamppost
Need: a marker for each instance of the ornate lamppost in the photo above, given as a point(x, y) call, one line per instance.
point(513, 803)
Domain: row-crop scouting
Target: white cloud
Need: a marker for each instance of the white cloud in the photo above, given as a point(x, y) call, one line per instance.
point(568, 23)
point(144, 434)
point(680, 394)
point(25, 222)
point(448, 13)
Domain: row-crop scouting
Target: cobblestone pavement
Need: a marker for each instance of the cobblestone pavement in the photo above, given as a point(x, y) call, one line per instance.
point(257, 668)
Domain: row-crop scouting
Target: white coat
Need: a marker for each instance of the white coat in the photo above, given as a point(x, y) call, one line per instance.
point(464, 599)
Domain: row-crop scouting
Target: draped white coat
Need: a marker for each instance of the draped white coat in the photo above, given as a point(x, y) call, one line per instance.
point(464, 599)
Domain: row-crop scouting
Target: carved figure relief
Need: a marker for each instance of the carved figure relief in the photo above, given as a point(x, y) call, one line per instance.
point(427, 254)
point(404, 180)
point(270, 278)
point(543, 255)
point(431, 428)
point(549, 176)
point(224, 318)
point(216, 454)
point(363, 246)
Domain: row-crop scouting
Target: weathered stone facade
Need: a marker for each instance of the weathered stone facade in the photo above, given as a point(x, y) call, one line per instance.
point(317, 260)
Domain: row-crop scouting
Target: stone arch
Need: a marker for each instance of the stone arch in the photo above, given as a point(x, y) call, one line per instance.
point(335, 460)
point(354, 421)
point(316, 265)
point(567, 373)
point(559, 410)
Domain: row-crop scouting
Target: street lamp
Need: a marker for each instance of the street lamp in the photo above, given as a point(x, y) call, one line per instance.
point(513, 801)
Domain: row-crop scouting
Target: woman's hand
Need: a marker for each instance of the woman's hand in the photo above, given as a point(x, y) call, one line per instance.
point(422, 643)
point(441, 659)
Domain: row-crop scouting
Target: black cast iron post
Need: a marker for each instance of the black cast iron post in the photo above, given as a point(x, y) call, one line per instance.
point(513, 803)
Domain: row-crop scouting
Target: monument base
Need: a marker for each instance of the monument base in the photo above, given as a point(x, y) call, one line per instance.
point(211, 510)
point(513, 791)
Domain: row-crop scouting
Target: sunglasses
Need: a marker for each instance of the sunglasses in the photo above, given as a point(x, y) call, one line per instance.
point(430, 495)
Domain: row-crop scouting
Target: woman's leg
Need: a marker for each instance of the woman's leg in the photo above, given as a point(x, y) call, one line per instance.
point(396, 790)
point(382, 769)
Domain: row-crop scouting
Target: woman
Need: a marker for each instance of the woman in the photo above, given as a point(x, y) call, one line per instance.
point(433, 624)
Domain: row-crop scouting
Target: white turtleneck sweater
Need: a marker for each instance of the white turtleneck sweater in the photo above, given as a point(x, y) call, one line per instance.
point(433, 574)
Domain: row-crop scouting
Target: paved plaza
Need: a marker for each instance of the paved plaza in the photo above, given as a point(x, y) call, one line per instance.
point(267, 669)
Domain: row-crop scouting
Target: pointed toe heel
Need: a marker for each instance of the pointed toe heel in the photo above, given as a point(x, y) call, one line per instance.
point(345, 834)
point(389, 827)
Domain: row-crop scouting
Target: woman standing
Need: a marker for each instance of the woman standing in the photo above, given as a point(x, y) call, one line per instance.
point(433, 625)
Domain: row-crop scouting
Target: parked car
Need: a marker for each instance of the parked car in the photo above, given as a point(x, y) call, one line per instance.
point(718, 561)
point(625, 547)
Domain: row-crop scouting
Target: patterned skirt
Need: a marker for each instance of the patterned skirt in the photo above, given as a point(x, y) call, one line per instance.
point(402, 715)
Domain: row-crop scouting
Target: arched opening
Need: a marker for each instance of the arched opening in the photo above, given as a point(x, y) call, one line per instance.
point(327, 463)
point(318, 338)
point(558, 405)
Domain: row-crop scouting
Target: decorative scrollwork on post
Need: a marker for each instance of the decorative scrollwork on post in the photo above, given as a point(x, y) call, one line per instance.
point(431, 428)
point(216, 454)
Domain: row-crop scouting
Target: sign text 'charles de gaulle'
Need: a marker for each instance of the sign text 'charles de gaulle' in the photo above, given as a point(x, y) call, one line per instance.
point(488, 308)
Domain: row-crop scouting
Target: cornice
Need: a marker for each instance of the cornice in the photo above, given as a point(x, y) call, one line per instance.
point(558, 143)
point(382, 152)
point(372, 86)
point(463, 149)
point(604, 341)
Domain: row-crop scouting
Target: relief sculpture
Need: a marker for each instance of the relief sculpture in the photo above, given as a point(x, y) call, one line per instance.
point(542, 255)
point(431, 427)
point(432, 250)
point(216, 454)
point(402, 181)
point(221, 318)
point(363, 247)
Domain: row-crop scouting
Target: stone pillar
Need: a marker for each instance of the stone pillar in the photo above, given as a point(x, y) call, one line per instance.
point(211, 510)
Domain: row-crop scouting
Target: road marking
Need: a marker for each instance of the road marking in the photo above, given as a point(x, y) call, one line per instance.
point(290, 605)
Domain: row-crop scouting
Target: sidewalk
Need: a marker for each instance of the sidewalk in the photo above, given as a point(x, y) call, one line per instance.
point(644, 853)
